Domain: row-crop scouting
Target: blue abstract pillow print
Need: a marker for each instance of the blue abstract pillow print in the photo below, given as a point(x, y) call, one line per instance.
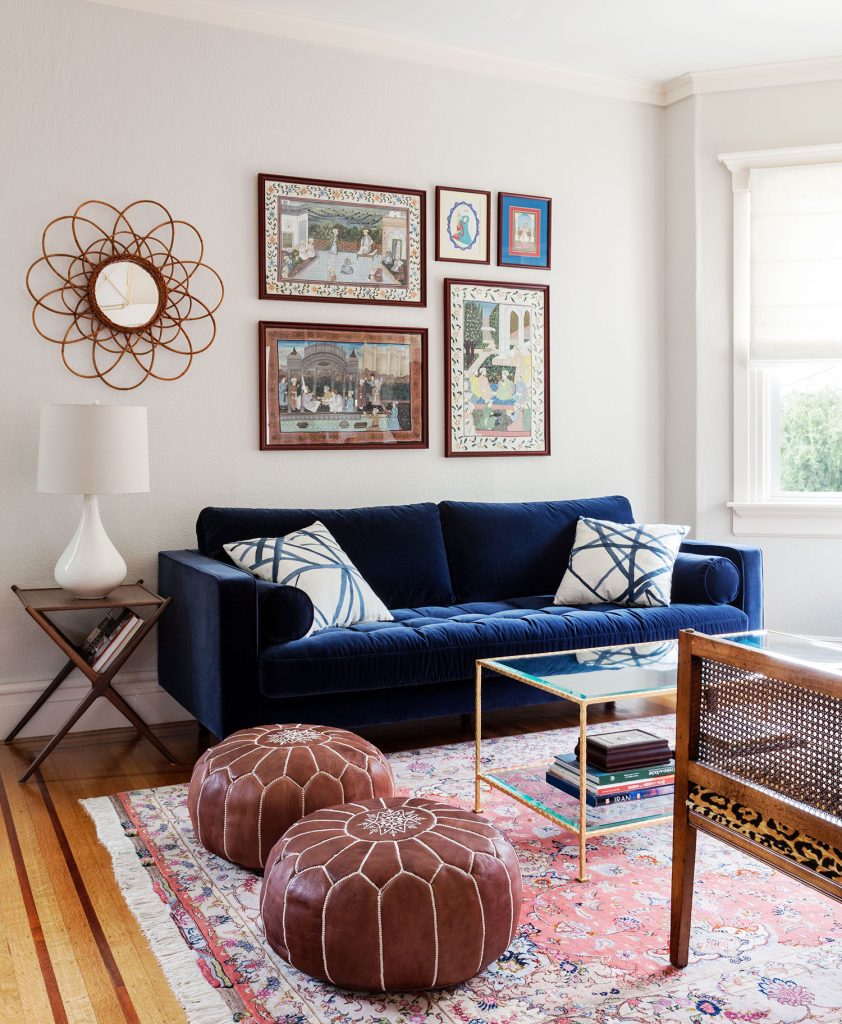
point(312, 560)
point(620, 563)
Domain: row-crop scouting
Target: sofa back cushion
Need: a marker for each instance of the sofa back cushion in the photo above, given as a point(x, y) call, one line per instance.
point(398, 549)
point(500, 550)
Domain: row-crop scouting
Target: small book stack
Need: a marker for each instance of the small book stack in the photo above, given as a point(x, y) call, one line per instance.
point(109, 637)
point(622, 767)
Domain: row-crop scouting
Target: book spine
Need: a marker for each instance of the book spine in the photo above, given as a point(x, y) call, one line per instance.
point(104, 631)
point(612, 778)
point(620, 787)
point(638, 794)
point(117, 642)
point(607, 801)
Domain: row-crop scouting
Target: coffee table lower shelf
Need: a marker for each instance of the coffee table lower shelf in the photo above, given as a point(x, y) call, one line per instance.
point(528, 785)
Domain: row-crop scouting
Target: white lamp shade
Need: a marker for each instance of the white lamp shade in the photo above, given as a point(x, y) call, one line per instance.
point(93, 449)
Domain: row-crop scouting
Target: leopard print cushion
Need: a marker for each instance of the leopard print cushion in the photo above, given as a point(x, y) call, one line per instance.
point(769, 832)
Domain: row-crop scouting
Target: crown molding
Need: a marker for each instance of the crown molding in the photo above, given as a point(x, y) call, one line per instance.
point(758, 76)
point(251, 17)
point(254, 17)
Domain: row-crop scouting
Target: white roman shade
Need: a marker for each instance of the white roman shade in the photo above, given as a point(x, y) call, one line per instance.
point(796, 262)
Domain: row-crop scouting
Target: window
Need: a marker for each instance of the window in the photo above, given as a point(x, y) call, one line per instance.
point(787, 341)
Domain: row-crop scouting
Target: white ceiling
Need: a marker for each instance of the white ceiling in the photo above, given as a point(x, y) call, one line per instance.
point(646, 40)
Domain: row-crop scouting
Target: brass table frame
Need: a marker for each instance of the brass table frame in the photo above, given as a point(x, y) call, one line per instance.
point(37, 603)
point(583, 703)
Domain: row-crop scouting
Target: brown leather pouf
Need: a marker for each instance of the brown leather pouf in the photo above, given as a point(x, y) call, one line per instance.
point(247, 790)
point(391, 895)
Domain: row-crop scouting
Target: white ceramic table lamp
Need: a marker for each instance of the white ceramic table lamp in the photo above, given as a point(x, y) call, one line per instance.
point(91, 450)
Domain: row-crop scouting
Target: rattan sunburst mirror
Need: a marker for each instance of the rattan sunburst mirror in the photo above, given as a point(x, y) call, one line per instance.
point(125, 293)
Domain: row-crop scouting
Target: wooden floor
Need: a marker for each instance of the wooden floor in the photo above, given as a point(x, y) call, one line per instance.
point(71, 950)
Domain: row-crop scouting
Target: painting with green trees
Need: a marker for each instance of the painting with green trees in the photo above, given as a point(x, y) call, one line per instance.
point(498, 368)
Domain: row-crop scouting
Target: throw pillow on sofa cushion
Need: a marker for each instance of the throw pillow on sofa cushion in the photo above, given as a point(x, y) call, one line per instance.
point(620, 563)
point(311, 560)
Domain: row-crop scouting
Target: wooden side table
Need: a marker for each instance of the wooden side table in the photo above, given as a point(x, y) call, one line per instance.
point(149, 605)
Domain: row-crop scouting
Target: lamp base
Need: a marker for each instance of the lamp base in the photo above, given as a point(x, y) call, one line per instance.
point(90, 566)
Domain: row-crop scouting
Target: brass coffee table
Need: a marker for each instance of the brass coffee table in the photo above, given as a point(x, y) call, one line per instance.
point(584, 677)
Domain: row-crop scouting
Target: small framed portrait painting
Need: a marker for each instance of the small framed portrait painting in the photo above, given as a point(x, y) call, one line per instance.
point(341, 386)
point(497, 368)
point(463, 225)
point(524, 231)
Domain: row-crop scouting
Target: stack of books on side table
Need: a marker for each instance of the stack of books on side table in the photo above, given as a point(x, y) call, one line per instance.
point(109, 637)
point(621, 767)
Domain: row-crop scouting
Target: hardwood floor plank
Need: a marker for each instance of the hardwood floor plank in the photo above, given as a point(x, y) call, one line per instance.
point(84, 985)
point(29, 990)
point(83, 895)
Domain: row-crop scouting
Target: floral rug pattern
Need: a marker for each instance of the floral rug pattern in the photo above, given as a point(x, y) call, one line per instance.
point(763, 948)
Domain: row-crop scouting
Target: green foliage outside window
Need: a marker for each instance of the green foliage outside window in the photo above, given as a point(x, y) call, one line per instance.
point(811, 440)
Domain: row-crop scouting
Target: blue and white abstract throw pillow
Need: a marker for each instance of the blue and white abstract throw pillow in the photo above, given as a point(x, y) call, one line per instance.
point(313, 561)
point(621, 563)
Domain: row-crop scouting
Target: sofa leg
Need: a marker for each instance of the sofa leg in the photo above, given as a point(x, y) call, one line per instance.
point(205, 738)
point(466, 723)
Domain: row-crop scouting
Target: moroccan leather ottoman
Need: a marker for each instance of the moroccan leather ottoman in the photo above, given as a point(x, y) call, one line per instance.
point(247, 790)
point(391, 895)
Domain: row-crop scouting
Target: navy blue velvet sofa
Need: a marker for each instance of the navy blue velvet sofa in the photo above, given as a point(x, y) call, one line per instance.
point(464, 580)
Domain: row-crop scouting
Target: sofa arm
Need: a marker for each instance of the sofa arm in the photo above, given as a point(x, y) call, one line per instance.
point(749, 563)
point(208, 639)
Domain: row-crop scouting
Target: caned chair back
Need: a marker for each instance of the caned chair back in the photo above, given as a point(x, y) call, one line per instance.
point(758, 765)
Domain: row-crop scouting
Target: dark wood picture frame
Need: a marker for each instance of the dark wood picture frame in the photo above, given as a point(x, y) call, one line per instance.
point(520, 266)
point(302, 442)
point(317, 289)
point(488, 233)
point(449, 284)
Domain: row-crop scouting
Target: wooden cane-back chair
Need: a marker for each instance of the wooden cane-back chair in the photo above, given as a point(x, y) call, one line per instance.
point(758, 764)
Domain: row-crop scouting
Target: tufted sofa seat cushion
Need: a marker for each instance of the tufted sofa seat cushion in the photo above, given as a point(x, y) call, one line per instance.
point(437, 644)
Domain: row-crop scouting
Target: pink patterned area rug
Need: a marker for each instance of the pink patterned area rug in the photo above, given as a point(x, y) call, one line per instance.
point(763, 948)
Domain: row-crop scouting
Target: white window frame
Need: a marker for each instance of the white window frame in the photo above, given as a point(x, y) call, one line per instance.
point(755, 511)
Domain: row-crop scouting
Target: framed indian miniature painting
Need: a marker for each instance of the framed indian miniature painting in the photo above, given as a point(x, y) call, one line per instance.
point(524, 230)
point(463, 225)
point(333, 241)
point(332, 386)
point(497, 370)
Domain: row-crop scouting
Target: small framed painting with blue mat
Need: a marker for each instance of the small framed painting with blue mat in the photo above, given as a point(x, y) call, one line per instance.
point(524, 230)
point(463, 225)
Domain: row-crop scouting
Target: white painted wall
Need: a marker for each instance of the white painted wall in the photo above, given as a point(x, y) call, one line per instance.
point(98, 102)
point(803, 593)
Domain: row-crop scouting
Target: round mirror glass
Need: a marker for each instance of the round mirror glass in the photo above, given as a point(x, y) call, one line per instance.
point(127, 294)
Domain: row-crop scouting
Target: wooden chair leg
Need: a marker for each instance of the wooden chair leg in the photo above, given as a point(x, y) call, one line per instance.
point(683, 875)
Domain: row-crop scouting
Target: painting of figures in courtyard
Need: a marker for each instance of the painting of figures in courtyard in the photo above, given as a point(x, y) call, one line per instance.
point(497, 368)
point(327, 386)
point(338, 242)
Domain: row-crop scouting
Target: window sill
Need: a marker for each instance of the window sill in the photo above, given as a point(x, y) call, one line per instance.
point(787, 518)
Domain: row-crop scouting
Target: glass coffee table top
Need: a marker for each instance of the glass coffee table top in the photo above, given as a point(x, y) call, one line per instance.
point(606, 673)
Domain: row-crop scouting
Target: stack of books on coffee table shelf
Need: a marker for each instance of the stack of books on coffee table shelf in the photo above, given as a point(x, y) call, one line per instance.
point(622, 767)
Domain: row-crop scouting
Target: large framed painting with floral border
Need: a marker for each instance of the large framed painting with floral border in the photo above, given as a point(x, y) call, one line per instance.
point(337, 386)
point(334, 241)
point(524, 230)
point(463, 225)
point(497, 368)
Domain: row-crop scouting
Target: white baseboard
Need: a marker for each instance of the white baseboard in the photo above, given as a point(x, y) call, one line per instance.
point(140, 689)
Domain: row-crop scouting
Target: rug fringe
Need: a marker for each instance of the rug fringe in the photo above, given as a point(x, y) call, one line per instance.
point(200, 1001)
